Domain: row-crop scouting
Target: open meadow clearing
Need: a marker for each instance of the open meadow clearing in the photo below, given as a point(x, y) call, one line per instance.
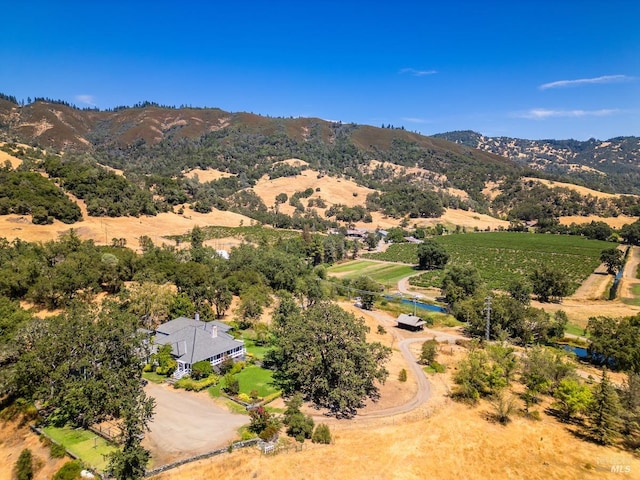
point(384, 273)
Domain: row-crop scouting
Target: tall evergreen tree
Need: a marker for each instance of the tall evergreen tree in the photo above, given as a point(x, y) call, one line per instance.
point(630, 409)
point(604, 412)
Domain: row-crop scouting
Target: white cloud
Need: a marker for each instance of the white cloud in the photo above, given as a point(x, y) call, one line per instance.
point(417, 73)
point(86, 99)
point(414, 120)
point(543, 113)
point(586, 81)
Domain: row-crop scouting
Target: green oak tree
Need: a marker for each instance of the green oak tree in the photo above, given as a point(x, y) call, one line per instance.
point(322, 353)
point(613, 260)
point(431, 255)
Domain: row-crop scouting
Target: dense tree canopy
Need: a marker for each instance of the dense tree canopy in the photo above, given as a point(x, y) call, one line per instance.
point(549, 284)
point(83, 365)
point(322, 352)
point(460, 282)
point(431, 255)
point(613, 260)
point(511, 319)
point(615, 342)
point(29, 193)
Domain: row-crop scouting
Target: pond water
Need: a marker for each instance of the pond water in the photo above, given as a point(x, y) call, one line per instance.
point(419, 305)
point(580, 352)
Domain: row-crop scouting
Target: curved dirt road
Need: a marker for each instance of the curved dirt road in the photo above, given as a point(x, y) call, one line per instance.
point(424, 386)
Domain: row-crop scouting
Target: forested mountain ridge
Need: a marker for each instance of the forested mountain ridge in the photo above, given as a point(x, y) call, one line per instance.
point(138, 137)
point(413, 176)
point(612, 165)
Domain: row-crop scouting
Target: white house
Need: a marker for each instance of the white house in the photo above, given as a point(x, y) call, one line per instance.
point(192, 341)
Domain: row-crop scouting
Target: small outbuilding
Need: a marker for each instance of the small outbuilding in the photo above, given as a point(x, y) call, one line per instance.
point(410, 322)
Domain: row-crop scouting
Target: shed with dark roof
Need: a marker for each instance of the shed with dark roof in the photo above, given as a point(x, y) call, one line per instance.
point(410, 322)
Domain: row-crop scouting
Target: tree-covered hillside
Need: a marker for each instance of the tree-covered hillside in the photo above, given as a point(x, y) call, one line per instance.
point(610, 166)
point(29, 193)
point(414, 176)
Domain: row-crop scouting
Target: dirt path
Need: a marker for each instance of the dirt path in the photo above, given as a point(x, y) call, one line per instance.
point(629, 279)
point(593, 288)
point(424, 387)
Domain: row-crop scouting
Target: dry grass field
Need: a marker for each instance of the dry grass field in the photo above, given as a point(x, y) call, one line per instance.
point(208, 175)
point(15, 437)
point(103, 229)
point(613, 222)
point(14, 161)
point(581, 190)
point(331, 189)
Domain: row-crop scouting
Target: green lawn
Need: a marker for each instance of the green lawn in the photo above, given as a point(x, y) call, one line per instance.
point(384, 273)
point(574, 330)
point(251, 378)
point(257, 351)
point(88, 446)
point(153, 377)
point(502, 256)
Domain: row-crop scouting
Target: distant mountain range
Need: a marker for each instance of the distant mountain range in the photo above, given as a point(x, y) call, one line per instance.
point(413, 175)
point(610, 165)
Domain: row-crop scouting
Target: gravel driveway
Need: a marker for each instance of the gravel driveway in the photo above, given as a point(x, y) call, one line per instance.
point(187, 423)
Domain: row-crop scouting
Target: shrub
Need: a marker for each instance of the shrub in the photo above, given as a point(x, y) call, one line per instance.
point(57, 450)
point(271, 397)
point(300, 426)
point(264, 424)
point(190, 384)
point(201, 369)
point(226, 365)
point(381, 330)
point(322, 434)
point(147, 367)
point(429, 352)
point(231, 384)
point(402, 376)
point(270, 433)
point(503, 407)
point(24, 465)
point(243, 397)
point(437, 367)
point(69, 471)
point(237, 367)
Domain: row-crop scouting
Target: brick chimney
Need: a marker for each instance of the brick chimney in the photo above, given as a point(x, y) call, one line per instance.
point(197, 317)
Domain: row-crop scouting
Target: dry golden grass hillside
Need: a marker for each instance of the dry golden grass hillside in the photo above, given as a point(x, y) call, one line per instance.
point(331, 189)
point(103, 229)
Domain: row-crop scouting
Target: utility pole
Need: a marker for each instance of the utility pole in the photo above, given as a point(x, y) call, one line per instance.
point(487, 309)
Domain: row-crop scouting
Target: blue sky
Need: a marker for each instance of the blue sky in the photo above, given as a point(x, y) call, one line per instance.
point(528, 69)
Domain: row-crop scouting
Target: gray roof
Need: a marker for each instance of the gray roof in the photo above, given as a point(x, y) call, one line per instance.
point(411, 320)
point(179, 323)
point(192, 341)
